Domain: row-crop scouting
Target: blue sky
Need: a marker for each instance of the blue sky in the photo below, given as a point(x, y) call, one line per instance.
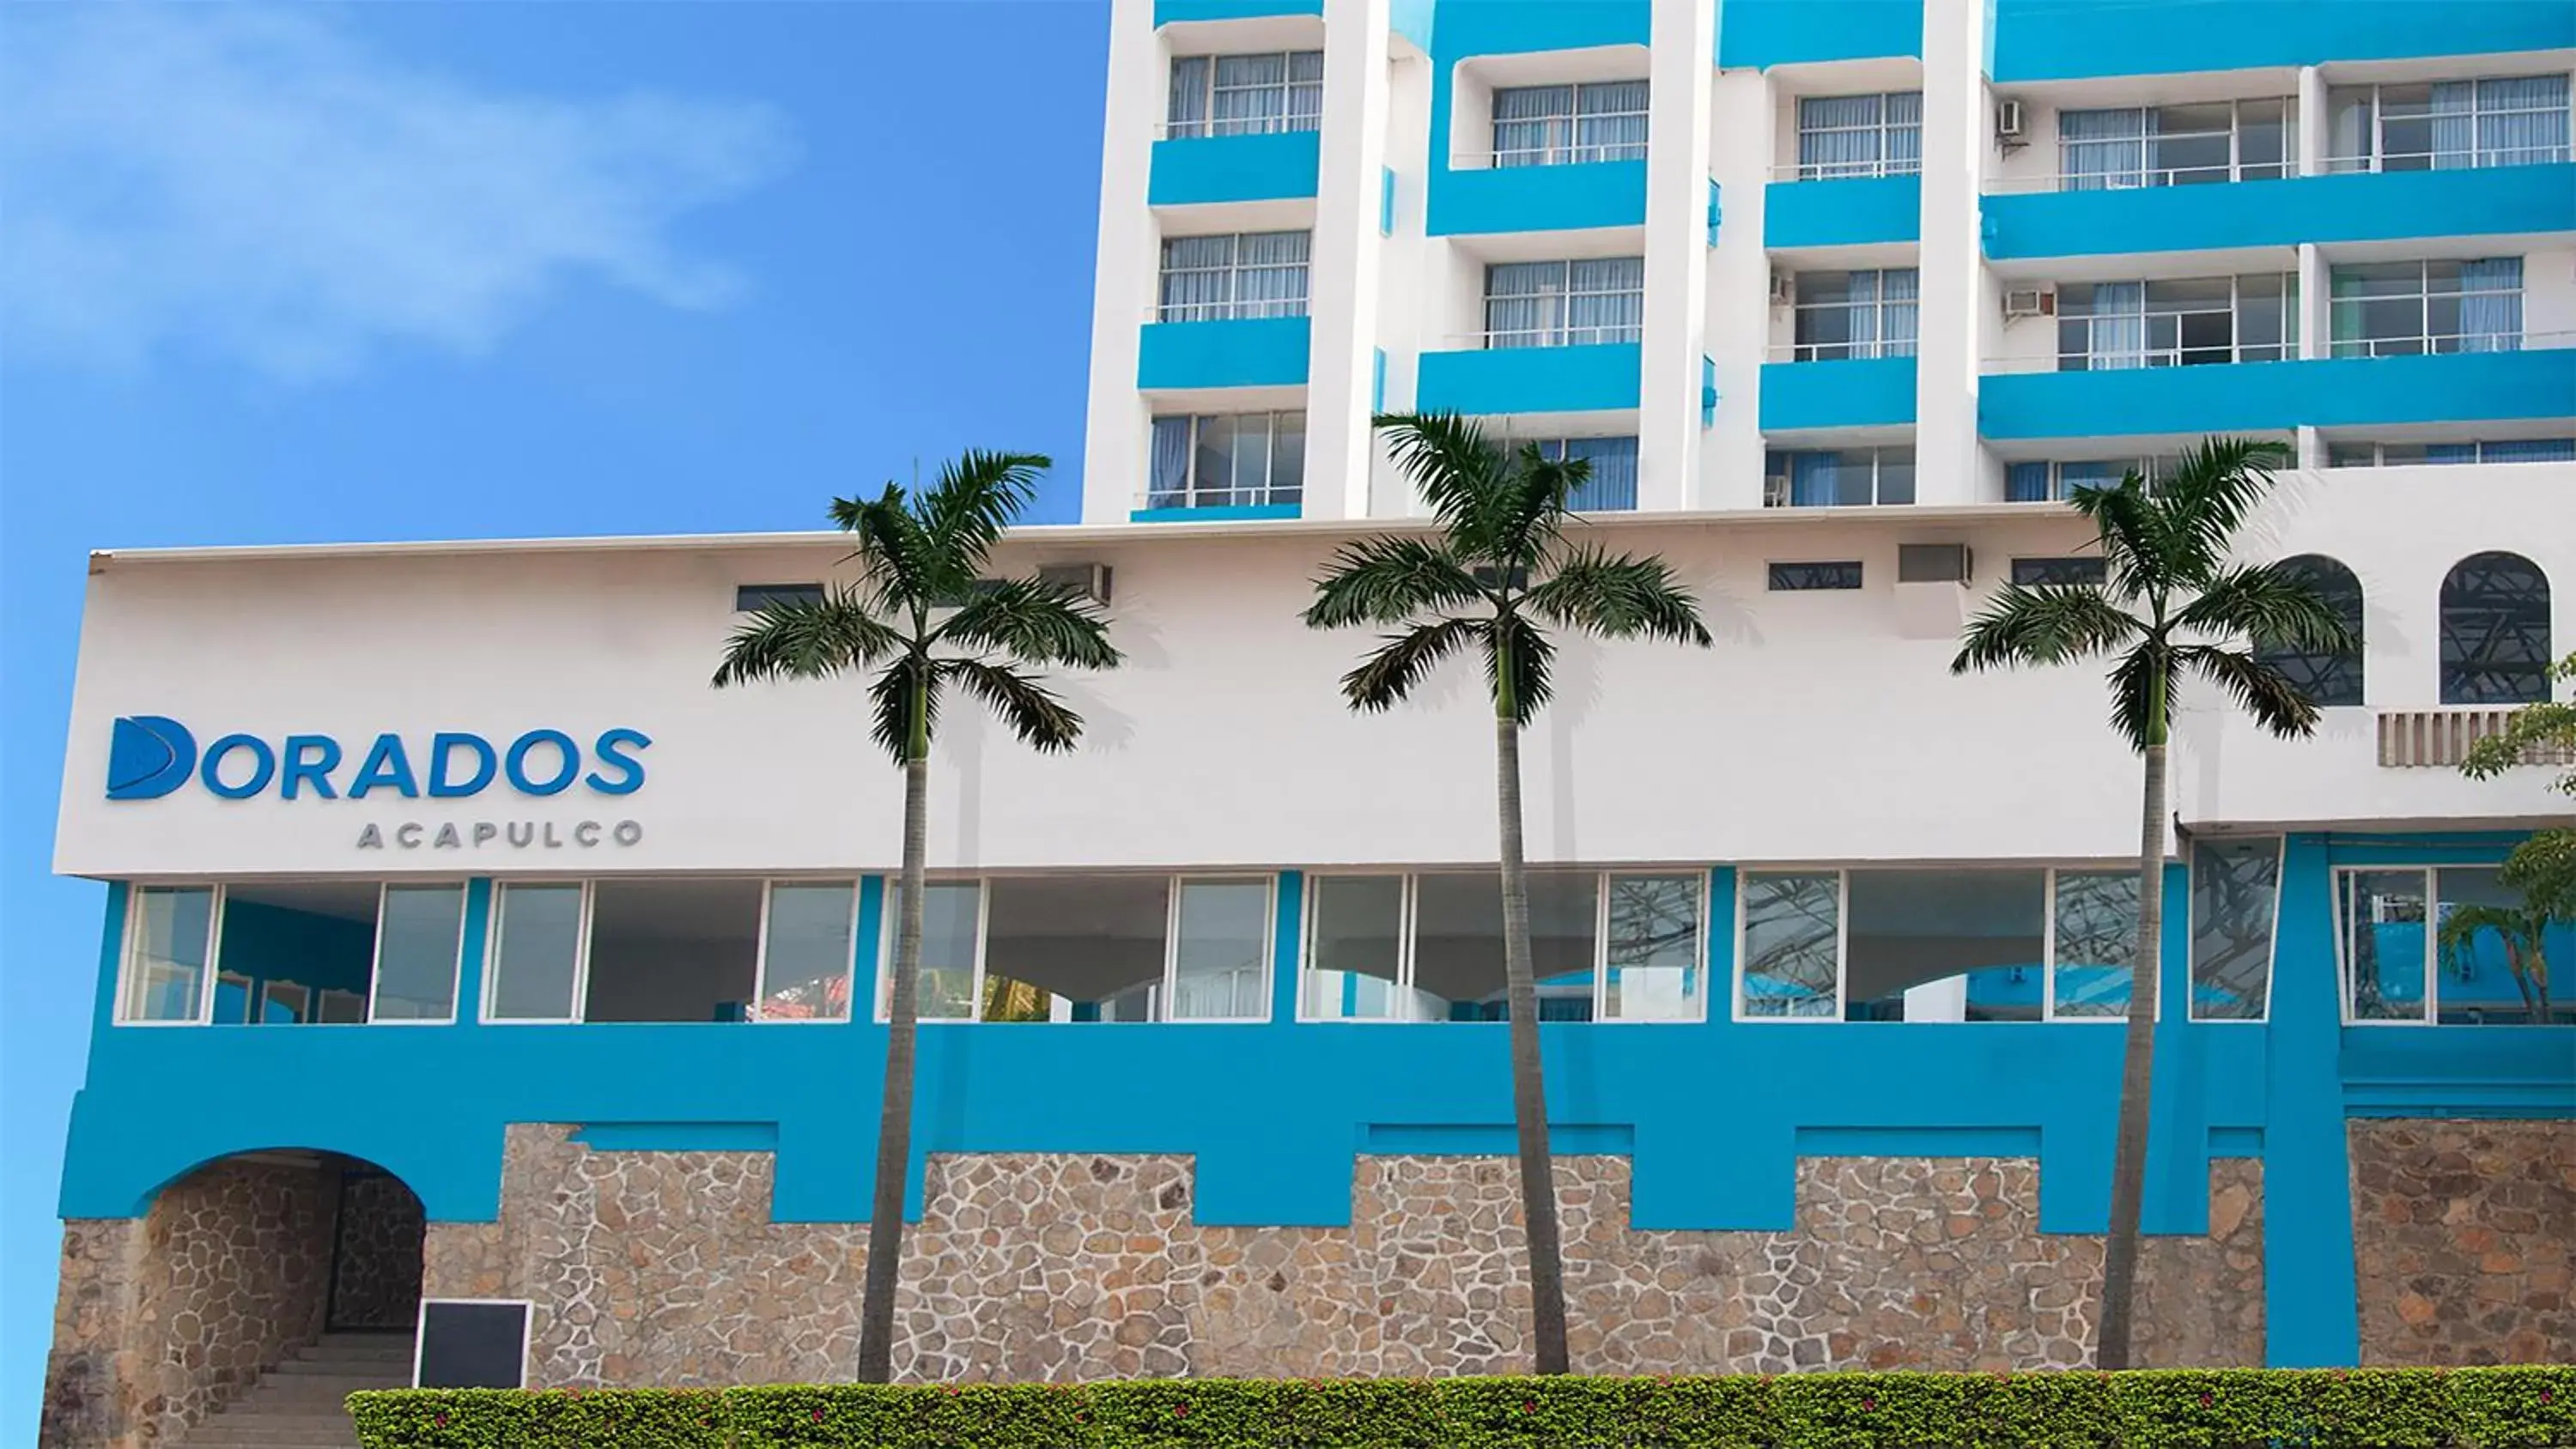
point(460, 270)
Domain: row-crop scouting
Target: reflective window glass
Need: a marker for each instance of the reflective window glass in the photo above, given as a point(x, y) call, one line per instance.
point(1792, 944)
point(1357, 944)
point(805, 951)
point(1654, 949)
point(536, 952)
point(2385, 944)
point(168, 952)
point(417, 940)
point(2235, 887)
point(2097, 942)
point(1221, 952)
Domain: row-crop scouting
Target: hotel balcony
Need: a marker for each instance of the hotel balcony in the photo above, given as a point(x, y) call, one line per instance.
point(1196, 170)
point(1800, 209)
point(1222, 352)
point(1803, 391)
point(1482, 381)
point(1478, 199)
point(2167, 211)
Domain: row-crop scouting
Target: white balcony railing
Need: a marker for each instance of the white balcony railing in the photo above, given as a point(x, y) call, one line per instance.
point(2442, 738)
point(1509, 338)
point(1838, 351)
point(2423, 343)
point(1847, 170)
point(2467, 160)
point(2143, 178)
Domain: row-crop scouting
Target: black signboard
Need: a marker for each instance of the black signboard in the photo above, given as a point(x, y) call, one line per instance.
point(472, 1344)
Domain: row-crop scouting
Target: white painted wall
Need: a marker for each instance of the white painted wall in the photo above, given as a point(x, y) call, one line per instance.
point(1344, 281)
point(1814, 730)
point(1113, 454)
point(2549, 294)
point(1956, 145)
point(1742, 121)
point(1677, 266)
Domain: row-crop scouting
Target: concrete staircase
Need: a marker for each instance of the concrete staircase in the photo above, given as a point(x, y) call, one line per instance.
point(297, 1405)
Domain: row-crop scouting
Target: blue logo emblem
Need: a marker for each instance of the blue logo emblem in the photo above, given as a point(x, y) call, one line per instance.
point(148, 756)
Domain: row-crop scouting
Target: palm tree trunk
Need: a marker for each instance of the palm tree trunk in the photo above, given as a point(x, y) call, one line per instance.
point(894, 1125)
point(2112, 1349)
point(1529, 1089)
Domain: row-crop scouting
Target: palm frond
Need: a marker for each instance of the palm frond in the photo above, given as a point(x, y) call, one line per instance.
point(2462, 923)
point(2267, 605)
point(2212, 491)
point(2125, 528)
point(1620, 596)
point(2142, 693)
point(1390, 580)
point(977, 495)
point(1033, 623)
point(1033, 712)
point(1451, 463)
point(833, 635)
point(2263, 691)
point(1389, 672)
point(901, 563)
point(1533, 663)
point(890, 701)
point(2029, 624)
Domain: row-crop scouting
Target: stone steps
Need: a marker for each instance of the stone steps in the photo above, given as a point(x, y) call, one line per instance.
point(298, 1404)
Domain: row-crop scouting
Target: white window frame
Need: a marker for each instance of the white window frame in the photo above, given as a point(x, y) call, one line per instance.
point(2272, 951)
point(2379, 452)
point(1565, 145)
point(578, 1007)
point(126, 963)
point(886, 929)
point(2432, 874)
point(1235, 307)
point(1408, 918)
point(1160, 1010)
point(760, 953)
point(2151, 175)
point(455, 962)
point(1195, 494)
point(2378, 157)
point(1877, 344)
point(1883, 128)
point(2424, 340)
point(1159, 990)
point(2048, 1015)
point(2151, 356)
point(1560, 330)
point(1209, 127)
point(1877, 466)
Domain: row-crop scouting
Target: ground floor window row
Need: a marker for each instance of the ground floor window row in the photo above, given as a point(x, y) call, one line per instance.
point(1989, 943)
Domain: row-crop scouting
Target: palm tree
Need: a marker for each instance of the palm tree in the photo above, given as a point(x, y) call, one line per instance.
point(1495, 575)
point(919, 620)
point(2169, 603)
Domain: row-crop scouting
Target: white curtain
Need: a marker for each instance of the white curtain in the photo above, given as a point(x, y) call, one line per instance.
point(1305, 90)
point(2101, 149)
point(1606, 300)
point(1197, 278)
point(1524, 304)
point(1532, 124)
point(1898, 291)
point(1187, 116)
point(2455, 124)
point(2119, 327)
point(1840, 135)
point(2491, 305)
point(1905, 133)
point(1167, 478)
point(1272, 274)
point(1251, 94)
point(2522, 120)
point(1611, 486)
point(1610, 121)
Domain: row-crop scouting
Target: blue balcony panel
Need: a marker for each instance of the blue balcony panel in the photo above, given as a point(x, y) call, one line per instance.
point(1849, 211)
point(1202, 169)
point(1849, 393)
point(2032, 40)
point(1765, 33)
point(1597, 377)
point(2251, 396)
point(1168, 12)
point(1537, 198)
point(1251, 352)
point(2353, 207)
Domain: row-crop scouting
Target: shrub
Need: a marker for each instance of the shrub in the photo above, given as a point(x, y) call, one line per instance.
point(2491, 1408)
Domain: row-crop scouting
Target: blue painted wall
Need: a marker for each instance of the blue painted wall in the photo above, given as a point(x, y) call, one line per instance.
point(2067, 39)
point(1537, 198)
point(1481, 382)
point(1766, 33)
point(1234, 168)
point(2479, 201)
point(1253, 352)
point(2326, 392)
point(1853, 393)
point(1842, 212)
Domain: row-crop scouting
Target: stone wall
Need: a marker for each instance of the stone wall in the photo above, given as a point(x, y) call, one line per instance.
point(664, 1268)
point(163, 1320)
point(2464, 1235)
point(376, 1283)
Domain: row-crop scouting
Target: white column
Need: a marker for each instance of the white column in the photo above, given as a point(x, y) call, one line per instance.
point(1684, 71)
point(1342, 286)
point(1956, 137)
point(1113, 461)
point(2315, 140)
point(1743, 124)
point(2316, 338)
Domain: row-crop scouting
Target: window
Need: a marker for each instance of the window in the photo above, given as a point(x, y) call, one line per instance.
point(2409, 955)
point(2181, 323)
point(1849, 477)
point(952, 946)
point(1565, 304)
point(1789, 578)
point(2061, 572)
point(1245, 95)
point(420, 930)
point(752, 598)
point(279, 945)
point(1841, 136)
point(1854, 314)
point(1559, 125)
point(2056, 482)
point(536, 951)
point(2497, 121)
point(672, 950)
point(2177, 145)
point(1227, 278)
point(1091, 948)
point(169, 945)
point(1612, 946)
point(1611, 484)
point(1228, 460)
point(1962, 944)
point(2388, 309)
point(2406, 455)
point(2235, 893)
point(808, 933)
point(2325, 678)
point(2495, 631)
point(1221, 951)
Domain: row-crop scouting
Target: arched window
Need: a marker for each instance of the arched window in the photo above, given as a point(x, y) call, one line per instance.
point(2495, 631)
point(2325, 677)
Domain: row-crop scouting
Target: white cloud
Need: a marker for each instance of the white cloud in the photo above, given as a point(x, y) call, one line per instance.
point(260, 185)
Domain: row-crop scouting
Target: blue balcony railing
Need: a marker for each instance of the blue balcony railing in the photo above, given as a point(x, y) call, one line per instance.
point(1483, 382)
point(2534, 382)
point(2350, 207)
point(1232, 352)
point(1200, 169)
point(1854, 392)
point(1537, 198)
point(1842, 211)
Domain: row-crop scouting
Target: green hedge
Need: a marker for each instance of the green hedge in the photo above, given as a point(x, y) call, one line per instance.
point(2491, 1408)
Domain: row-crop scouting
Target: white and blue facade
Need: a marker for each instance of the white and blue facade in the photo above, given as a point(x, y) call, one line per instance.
point(406, 844)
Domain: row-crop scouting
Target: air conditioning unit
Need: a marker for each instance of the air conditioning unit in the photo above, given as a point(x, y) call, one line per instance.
point(2008, 122)
point(1784, 289)
point(2029, 302)
point(1934, 563)
point(1085, 580)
